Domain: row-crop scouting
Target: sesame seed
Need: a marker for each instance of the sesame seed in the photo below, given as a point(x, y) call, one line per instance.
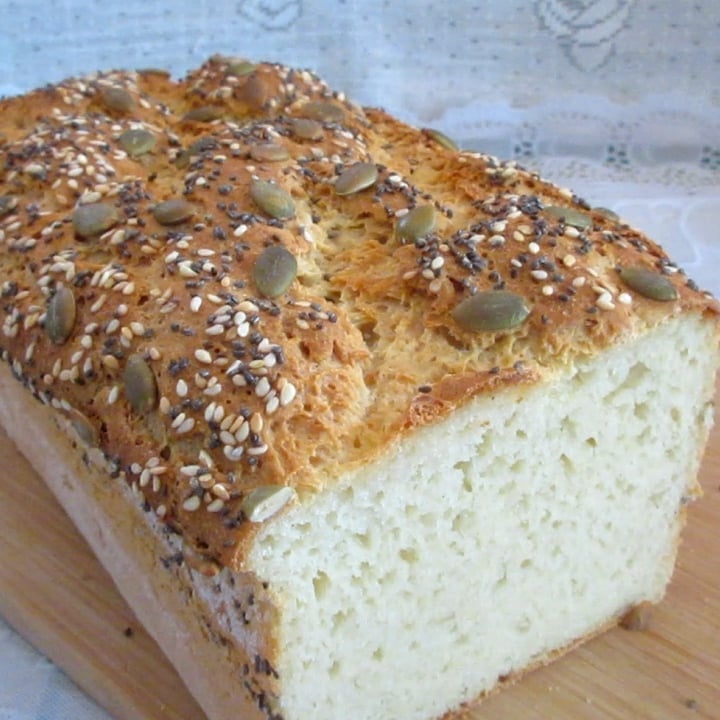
point(272, 405)
point(233, 453)
point(113, 394)
point(185, 270)
point(437, 262)
point(569, 260)
point(181, 388)
point(604, 301)
point(240, 230)
point(548, 290)
point(539, 274)
point(179, 420)
point(258, 450)
point(219, 490)
point(287, 394)
point(263, 387)
point(248, 306)
point(227, 438)
point(242, 433)
point(578, 282)
point(625, 298)
point(203, 356)
point(164, 405)
point(256, 423)
point(192, 503)
point(110, 362)
point(187, 425)
point(216, 505)
point(571, 231)
point(534, 248)
point(98, 303)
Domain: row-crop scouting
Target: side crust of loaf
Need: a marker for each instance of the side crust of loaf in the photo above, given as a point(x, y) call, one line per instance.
point(212, 626)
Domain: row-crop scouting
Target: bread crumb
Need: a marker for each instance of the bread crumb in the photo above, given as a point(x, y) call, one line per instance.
point(638, 618)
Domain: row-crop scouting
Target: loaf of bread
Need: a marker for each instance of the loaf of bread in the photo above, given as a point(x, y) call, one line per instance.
point(364, 426)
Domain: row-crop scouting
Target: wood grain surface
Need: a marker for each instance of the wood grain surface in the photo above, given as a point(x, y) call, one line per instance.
point(55, 593)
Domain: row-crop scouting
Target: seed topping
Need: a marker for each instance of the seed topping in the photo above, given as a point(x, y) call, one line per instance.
point(569, 216)
point(648, 283)
point(137, 142)
point(355, 178)
point(265, 501)
point(60, 317)
point(94, 219)
point(491, 311)
point(416, 224)
point(269, 152)
point(274, 271)
point(441, 139)
point(118, 100)
point(173, 212)
point(140, 385)
point(272, 199)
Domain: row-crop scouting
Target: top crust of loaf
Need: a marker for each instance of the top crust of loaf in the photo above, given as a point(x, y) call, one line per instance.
point(290, 390)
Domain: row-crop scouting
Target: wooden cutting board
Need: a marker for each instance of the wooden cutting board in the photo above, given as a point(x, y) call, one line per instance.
point(55, 593)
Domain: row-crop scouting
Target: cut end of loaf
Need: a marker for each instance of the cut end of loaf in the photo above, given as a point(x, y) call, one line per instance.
point(484, 544)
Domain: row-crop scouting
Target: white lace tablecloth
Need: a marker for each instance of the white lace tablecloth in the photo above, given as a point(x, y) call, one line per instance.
point(617, 99)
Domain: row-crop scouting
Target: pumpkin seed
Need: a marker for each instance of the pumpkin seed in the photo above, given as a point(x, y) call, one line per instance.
point(140, 385)
point(274, 270)
point(419, 222)
point(265, 501)
point(569, 216)
point(239, 68)
point(355, 178)
point(118, 100)
point(609, 214)
point(137, 142)
point(648, 283)
point(60, 316)
point(205, 113)
point(269, 152)
point(94, 219)
point(272, 199)
point(492, 311)
point(322, 110)
point(441, 139)
point(83, 427)
point(172, 212)
point(306, 129)
point(7, 204)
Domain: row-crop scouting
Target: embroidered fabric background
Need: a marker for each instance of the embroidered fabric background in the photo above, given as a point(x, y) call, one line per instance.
point(618, 99)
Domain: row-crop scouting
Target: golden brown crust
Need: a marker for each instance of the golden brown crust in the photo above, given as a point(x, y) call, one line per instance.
point(361, 347)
